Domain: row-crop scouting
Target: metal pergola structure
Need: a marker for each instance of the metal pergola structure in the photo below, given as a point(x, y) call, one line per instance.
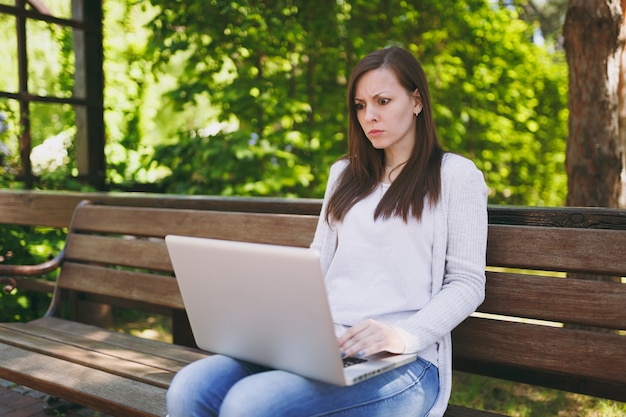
point(87, 97)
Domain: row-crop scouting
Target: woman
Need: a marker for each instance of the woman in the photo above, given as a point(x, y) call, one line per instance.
point(402, 238)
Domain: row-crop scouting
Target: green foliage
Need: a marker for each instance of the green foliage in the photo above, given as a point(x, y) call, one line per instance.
point(234, 164)
point(274, 75)
point(131, 95)
point(247, 97)
point(9, 133)
point(25, 245)
point(502, 101)
point(272, 72)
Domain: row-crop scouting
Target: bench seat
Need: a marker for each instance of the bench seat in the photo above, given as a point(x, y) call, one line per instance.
point(118, 374)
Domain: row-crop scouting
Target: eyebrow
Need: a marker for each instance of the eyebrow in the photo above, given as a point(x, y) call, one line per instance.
point(377, 95)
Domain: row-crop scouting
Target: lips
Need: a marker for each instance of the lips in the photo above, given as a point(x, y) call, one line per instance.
point(375, 132)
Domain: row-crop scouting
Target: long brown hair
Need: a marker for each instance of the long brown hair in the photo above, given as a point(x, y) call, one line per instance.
point(420, 177)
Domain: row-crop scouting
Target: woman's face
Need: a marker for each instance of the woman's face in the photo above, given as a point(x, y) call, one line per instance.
point(386, 111)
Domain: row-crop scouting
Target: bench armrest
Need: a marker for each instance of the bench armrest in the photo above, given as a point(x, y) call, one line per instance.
point(8, 273)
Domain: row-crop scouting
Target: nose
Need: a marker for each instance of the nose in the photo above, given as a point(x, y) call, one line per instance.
point(370, 114)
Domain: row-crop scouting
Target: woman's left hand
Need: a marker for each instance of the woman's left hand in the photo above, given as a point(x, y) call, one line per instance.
point(369, 337)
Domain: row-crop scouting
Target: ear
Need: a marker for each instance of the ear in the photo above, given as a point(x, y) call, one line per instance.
point(418, 106)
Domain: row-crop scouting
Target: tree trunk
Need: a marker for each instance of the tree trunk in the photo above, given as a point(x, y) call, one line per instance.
point(593, 43)
point(622, 114)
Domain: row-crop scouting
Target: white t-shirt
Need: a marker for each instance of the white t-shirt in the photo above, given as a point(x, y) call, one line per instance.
point(382, 268)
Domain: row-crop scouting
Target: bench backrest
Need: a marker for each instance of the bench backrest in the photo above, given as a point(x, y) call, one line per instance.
point(536, 325)
point(118, 253)
point(549, 310)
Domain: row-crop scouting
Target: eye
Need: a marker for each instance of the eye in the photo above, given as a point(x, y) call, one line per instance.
point(383, 101)
point(359, 106)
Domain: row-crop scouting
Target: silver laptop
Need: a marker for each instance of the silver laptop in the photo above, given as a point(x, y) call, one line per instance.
point(265, 304)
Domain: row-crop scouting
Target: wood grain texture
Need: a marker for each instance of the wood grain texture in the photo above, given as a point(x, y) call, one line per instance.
point(130, 364)
point(544, 348)
point(571, 301)
point(121, 340)
point(122, 284)
point(126, 251)
point(598, 251)
point(93, 388)
point(285, 229)
point(55, 208)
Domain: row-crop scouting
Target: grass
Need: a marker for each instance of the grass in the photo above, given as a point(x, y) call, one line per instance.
point(522, 400)
point(137, 323)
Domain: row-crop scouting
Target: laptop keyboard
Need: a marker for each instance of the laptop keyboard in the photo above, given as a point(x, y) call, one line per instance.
point(352, 361)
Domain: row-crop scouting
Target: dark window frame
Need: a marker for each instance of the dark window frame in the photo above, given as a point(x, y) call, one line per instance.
point(88, 95)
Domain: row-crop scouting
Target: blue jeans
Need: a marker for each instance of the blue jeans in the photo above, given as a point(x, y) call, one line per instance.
point(226, 387)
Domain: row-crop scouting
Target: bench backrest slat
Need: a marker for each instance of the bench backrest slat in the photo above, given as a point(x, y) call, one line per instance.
point(571, 249)
point(565, 300)
point(121, 284)
point(123, 251)
point(283, 229)
point(549, 349)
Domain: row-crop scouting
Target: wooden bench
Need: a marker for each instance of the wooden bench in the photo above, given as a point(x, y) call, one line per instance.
point(115, 254)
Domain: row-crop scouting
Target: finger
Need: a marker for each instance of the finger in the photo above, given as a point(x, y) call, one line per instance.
point(362, 340)
point(352, 332)
point(364, 347)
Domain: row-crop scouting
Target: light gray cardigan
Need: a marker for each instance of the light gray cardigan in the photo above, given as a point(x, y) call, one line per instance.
point(458, 267)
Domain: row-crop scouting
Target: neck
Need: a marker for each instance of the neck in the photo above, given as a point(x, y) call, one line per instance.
point(391, 170)
point(394, 166)
point(397, 155)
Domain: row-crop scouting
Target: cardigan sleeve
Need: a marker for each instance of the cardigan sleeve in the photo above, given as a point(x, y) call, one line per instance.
point(458, 254)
